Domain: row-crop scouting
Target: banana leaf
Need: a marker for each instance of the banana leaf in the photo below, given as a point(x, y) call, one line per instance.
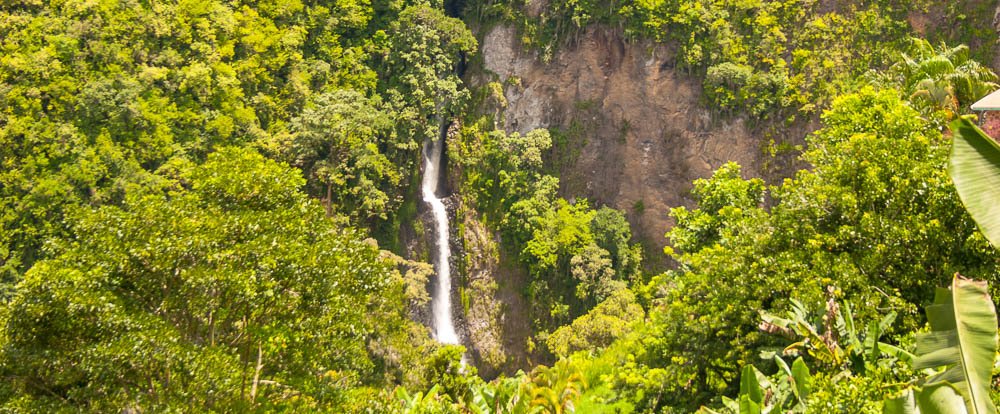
point(975, 170)
point(963, 338)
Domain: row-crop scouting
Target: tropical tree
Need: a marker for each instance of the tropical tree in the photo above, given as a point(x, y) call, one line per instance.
point(612, 233)
point(98, 98)
point(975, 168)
point(501, 169)
point(963, 339)
point(424, 88)
point(941, 78)
point(835, 342)
point(336, 142)
point(593, 273)
point(787, 391)
point(598, 328)
point(878, 191)
point(963, 319)
point(232, 292)
point(447, 368)
point(556, 389)
point(502, 396)
point(423, 402)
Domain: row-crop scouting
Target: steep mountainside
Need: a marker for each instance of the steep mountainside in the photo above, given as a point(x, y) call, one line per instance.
point(636, 132)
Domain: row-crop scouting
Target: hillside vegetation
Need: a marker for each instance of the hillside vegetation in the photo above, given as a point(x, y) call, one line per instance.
point(213, 206)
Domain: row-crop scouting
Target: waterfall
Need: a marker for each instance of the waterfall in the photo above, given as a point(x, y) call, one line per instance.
point(444, 326)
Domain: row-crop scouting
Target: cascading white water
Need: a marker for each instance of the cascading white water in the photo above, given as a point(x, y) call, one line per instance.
point(444, 327)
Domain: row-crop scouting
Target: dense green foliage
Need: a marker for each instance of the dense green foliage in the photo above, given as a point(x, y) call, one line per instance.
point(191, 193)
point(877, 194)
point(943, 79)
point(576, 256)
point(863, 239)
point(766, 58)
point(99, 96)
point(218, 296)
point(875, 223)
point(151, 261)
point(757, 57)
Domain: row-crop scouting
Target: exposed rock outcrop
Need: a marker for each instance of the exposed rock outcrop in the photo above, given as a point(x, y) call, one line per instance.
point(485, 313)
point(635, 137)
point(639, 132)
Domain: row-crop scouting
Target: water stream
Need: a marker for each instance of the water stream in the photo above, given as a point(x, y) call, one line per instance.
point(444, 326)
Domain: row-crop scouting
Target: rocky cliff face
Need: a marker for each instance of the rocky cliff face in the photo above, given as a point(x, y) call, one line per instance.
point(637, 132)
point(634, 134)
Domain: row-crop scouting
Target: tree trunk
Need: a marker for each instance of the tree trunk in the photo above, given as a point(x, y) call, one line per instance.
point(256, 374)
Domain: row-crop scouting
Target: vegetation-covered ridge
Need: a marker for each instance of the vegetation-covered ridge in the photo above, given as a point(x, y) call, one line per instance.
point(153, 259)
point(782, 60)
point(211, 206)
